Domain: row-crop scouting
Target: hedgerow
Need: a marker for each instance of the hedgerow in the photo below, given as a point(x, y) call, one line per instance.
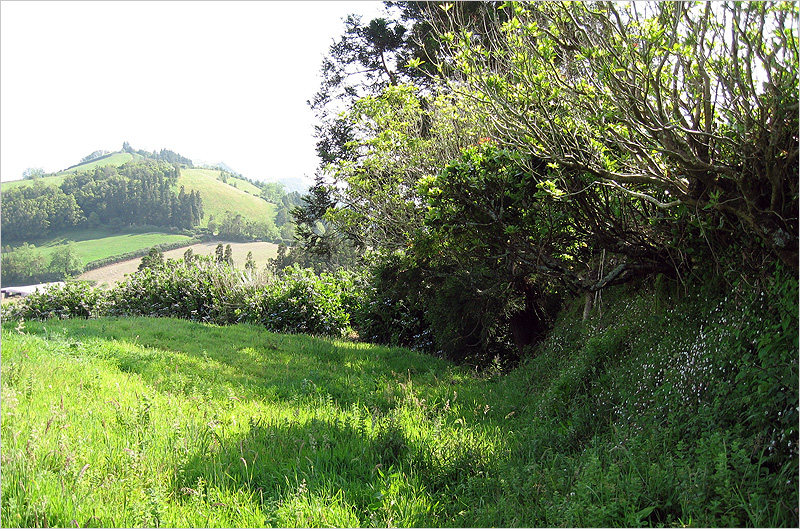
point(294, 301)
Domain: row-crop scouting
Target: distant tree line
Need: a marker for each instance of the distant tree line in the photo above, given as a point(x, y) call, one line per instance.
point(137, 193)
point(25, 265)
point(96, 155)
point(164, 155)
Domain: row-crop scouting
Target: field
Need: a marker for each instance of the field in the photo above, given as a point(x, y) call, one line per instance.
point(219, 197)
point(116, 272)
point(94, 244)
point(117, 159)
point(161, 422)
point(46, 180)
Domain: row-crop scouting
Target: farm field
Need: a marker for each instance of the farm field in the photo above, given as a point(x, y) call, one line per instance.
point(111, 274)
point(46, 180)
point(220, 198)
point(117, 159)
point(94, 244)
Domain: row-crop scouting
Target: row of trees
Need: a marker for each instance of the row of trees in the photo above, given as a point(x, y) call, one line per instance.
point(498, 156)
point(164, 155)
point(138, 193)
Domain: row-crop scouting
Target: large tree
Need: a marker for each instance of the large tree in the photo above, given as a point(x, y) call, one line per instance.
point(687, 106)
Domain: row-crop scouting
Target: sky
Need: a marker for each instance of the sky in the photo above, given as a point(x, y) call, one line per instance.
point(213, 81)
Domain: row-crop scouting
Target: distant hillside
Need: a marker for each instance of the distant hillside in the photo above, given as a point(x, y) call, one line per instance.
point(220, 198)
point(116, 159)
point(55, 180)
point(232, 206)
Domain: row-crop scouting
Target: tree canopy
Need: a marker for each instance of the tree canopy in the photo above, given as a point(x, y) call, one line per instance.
point(518, 149)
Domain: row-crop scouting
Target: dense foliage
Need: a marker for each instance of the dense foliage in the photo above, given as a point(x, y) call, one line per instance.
point(210, 290)
point(543, 150)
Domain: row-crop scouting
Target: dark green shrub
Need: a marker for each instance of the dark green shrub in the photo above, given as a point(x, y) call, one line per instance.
point(170, 289)
point(70, 300)
point(298, 301)
point(392, 309)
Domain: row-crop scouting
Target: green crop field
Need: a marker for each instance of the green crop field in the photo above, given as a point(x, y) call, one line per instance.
point(94, 244)
point(55, 180)
point(219, 197)
point(117, 159)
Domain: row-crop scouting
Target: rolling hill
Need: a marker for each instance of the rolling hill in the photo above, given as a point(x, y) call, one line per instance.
point(236, 196)
point(223, 198)
point(220, 197)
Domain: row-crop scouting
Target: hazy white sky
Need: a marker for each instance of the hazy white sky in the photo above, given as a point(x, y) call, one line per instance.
point(214, 81)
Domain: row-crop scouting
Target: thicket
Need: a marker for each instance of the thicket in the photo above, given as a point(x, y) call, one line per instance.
point(211, 291)
point(500, 158)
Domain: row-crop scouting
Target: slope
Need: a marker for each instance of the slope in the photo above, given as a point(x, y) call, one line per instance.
point(116, 159)
point(220, 198)
point(667, 410)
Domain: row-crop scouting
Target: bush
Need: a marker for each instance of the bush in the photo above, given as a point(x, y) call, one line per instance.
point(170, 289)
point(71, 300)
point(296, 301)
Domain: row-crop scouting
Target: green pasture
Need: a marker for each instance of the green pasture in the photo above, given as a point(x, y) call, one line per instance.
point(219, 197)
point(55, 180)
point(117, 159)
point(94, 244)
point(167, 423)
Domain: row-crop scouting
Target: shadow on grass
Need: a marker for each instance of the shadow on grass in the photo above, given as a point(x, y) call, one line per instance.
point(360, 471)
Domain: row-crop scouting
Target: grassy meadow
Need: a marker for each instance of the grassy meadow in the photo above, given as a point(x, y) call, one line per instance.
point(55, 180)
point(117, 159)
point(220, 198)
point(95, 244)
point(668, 410)
point(162, 422)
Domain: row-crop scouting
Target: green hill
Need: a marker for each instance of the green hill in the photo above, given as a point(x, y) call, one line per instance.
point(235, 205)
point(219, 197)
point(116, 159)
point(235, 196)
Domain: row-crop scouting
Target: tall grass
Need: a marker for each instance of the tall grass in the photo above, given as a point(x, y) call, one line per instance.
point(122, 422)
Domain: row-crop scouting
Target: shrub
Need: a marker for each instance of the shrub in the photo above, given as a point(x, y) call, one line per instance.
point(70, 300)
point(298, 301)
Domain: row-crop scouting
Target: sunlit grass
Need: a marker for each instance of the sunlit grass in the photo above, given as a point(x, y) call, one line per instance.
point(95, 244)
point(165, 422)
point(653, 414)
point(220, 198)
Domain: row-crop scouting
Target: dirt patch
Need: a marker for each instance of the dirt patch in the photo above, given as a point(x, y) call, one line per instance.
point(108, 275)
